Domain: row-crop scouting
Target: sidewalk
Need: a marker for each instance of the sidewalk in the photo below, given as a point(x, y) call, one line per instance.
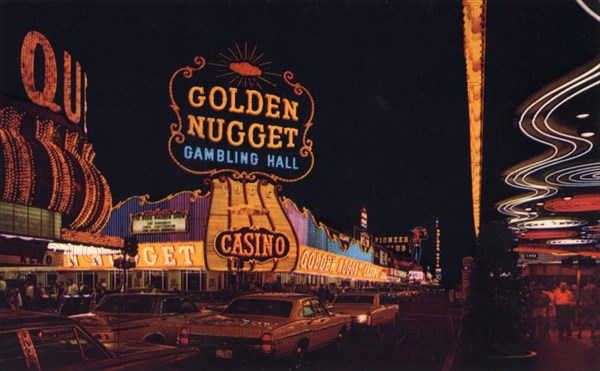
point(567, 354)
point(553, 354)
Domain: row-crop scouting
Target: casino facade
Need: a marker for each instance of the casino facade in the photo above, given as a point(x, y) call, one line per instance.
point(57, 219)
point(51, 193)
point(209, 242)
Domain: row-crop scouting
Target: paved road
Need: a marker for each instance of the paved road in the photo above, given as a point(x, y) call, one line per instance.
point(421, 341)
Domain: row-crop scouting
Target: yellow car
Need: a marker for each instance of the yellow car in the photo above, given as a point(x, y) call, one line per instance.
point(369, 310)
point(155, 318)
point(266, 325)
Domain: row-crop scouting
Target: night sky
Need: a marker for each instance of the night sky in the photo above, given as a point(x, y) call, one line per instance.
point(388, 80)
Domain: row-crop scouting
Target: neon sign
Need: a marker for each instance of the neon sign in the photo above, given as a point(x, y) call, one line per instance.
point(235, 116)
point(74, 81)
point(252, 244)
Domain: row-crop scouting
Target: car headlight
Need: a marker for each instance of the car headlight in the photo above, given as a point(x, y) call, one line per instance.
point(361, 318)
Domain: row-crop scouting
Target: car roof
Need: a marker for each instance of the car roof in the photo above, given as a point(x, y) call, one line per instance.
point(144, 294)
point(354, 293)
point(276, 295)
point(15, 319)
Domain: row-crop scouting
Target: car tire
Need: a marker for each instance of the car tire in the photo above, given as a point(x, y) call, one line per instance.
point(380, 333)
point(342, 339)
point(298, 359)
point(155, 339)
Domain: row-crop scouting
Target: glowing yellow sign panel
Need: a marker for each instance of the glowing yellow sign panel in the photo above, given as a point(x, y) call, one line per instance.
point(248, 224)
point(180, 255)
point(313, 261)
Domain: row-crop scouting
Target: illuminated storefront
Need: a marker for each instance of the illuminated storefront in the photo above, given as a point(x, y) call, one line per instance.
point(243, 140)
point(219, 239)
point(50, 190)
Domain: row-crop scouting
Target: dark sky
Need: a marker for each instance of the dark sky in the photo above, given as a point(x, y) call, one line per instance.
point(388, 80)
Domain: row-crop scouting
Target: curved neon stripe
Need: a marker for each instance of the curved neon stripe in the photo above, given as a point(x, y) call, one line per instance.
point(568, 148)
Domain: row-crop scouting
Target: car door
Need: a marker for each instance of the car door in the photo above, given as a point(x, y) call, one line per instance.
point(173, 314)
point(310, 321)
point(16, 352)
point(325, 323)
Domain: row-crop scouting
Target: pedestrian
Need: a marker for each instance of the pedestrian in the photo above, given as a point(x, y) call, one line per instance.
point(451, 297)
point(575, 315)
point(589, 308)
point(103, 284)
point(29, 303)
point(38, 296)
point(83, 289)
point(60, 292)
point(72, 288)
point(321, 292)
point(15, 300)
point(539, 310)
point(563, 302)
point(551, 313)
point(97, 294)
point(3, 296)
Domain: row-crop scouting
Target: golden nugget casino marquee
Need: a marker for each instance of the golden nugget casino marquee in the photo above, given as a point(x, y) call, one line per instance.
point(236, 116)
point(239, 119)
point(244, 126)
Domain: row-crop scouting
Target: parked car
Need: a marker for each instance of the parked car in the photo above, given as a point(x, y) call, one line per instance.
point(266, 325)
point(401, 296)
point(34, 341)
point(369, 310)
point(154, 318)
point(75, 304)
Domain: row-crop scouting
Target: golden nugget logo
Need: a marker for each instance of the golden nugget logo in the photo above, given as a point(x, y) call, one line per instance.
point(236, 116)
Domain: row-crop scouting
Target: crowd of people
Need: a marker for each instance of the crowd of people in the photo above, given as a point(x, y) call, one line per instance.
point(27, 295)
point(569, 307)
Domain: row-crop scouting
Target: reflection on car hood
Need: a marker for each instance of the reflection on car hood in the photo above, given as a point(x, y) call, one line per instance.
point(109, 319)
point(234, 325)
point(130, 347)
point(351, 308)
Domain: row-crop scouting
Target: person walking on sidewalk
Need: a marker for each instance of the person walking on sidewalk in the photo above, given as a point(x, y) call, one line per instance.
point(551, 314)
point(539, 310)
point(563, 301)
point(589, 308)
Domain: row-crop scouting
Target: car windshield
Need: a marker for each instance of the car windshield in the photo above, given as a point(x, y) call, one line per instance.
point(127, 304)
point(354, 299)
point(276, 308)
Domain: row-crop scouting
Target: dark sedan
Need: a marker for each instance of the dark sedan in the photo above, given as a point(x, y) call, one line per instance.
point(42, 341)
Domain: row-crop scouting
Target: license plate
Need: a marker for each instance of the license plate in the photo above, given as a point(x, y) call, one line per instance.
point(224, 353)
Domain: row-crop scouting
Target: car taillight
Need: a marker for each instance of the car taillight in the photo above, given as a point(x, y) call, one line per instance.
point(103, 336)
point(267, 343)
point(184, 336)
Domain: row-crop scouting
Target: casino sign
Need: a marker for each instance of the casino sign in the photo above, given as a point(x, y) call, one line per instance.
point(235, 116)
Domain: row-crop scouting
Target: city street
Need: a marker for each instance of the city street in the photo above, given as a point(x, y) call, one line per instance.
point(300, 185)
point(422, 339)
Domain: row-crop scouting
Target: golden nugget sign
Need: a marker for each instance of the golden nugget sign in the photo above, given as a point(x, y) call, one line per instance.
point(235, 116)
point(151, 256)
point(252, 244)
point(313, 261)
